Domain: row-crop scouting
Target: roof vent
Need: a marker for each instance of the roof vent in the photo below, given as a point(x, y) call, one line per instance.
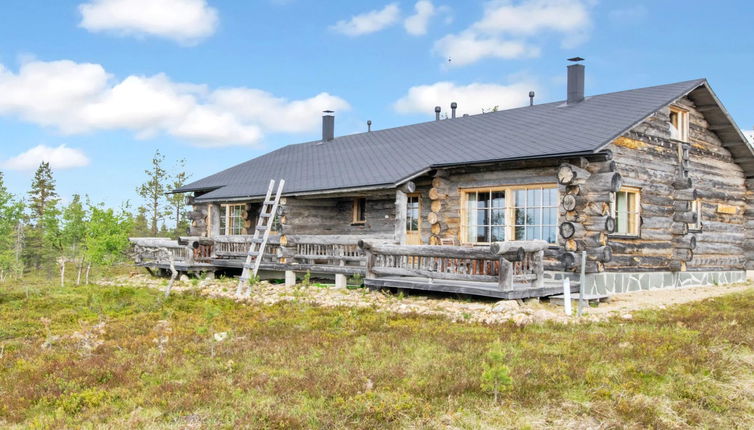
point(369, 125)
point(575, 81)
point(531, 98)
point(453, 107)
point(328, 126)
point(437, 113)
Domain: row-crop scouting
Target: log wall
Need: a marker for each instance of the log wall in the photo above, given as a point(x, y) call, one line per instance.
point(648, 158)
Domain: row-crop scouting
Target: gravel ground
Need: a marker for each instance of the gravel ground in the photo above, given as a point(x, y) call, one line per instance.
point(484, 311)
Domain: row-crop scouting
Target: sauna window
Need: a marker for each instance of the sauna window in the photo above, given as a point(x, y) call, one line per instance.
point(679, 124)
point(696, 207)
point(510, 213)
point(626, 211)
point(412, 214)
point(359, 211)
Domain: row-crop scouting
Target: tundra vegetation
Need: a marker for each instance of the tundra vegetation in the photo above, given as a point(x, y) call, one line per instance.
point(125, 357)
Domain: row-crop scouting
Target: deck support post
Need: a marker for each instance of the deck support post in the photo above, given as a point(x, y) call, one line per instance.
point(401, 203)
point(290, 278)
point(340, 281)
point(506, 275)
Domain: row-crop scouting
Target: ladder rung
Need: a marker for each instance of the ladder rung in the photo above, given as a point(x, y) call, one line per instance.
point(264, 215)
point(262, 227)
point(269, 202)
point(257, 240)
point(252, 253)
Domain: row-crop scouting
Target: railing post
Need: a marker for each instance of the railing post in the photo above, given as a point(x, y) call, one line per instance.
point(539, 269)
point(371, 259)
point(506, 275)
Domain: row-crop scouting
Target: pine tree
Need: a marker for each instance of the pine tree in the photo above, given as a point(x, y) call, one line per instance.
point(42, 196)
point(153, 191)
point(178, 200)
point(42, 237)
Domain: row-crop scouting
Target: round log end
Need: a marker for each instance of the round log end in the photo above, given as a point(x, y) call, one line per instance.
point(616, 182)
point(567, 230)
point(568, 260)
point(566, 174)
point(494, 247)
point(692, 243)
point(610, 224)
point(569, 202)
point(520, 254)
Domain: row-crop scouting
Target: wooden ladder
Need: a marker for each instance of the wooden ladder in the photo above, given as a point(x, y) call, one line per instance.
point(261, 234)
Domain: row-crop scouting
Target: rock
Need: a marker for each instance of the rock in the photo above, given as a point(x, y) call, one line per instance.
point(183, 278)
point(505, 306)
point(627, 316)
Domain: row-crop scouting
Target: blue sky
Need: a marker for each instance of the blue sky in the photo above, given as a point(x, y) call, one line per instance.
point(96, 86)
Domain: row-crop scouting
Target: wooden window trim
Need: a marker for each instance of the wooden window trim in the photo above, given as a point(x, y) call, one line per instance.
point(355, 211)
point(228, 217)
point(510, 206)
point(637, 221)
point(683, 119)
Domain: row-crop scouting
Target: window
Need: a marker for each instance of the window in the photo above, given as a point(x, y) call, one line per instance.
point(626, 211)
point(232, 219)
point(510, 213)
point(679, 124)
point(412, 214)
point(696, 207)
point(536, 214)
point(359, 211)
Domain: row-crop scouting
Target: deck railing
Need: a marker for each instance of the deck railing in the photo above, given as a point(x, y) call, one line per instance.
point(158, 250)
point(512, 265)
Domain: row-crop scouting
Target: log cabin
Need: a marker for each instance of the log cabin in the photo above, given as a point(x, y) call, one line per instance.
point(638, 189)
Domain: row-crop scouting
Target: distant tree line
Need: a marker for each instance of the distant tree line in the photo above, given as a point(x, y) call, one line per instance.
point(38, 232)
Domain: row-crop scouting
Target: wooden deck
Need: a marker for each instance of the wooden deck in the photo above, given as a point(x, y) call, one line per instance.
point(472, 288)
point(511, 270)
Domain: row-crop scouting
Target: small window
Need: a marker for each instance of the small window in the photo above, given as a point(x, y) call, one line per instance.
point(359, 211)
point(626, 211)
point(232, 219)
point(696, 207)
point(679, 124)
point(412, 214)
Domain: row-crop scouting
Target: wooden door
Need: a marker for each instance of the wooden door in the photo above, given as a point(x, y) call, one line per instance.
point(413, 220)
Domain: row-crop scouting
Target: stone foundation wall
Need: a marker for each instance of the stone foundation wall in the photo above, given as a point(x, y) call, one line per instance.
point(623, 282)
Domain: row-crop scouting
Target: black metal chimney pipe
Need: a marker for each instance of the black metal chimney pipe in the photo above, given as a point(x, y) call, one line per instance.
point(453, 107)
point(437, 113)
point(369, 125)
point(575, 81)
point(328, 126)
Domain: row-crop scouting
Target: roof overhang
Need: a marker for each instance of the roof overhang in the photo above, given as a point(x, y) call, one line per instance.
point(722, 124)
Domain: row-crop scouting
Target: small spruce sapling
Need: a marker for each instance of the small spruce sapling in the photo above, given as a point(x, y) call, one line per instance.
point(496, 376)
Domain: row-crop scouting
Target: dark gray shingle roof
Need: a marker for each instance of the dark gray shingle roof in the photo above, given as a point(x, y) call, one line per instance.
point(386, 157)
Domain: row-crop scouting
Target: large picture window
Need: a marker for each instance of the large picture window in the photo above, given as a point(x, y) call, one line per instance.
point(510, 213)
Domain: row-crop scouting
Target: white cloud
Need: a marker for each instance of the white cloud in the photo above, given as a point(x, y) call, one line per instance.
point(512, 30)
point(368, 22)
point(186, 21)
point(417, 24)
point(81, 97)
point(471, 99)
point(61, 157)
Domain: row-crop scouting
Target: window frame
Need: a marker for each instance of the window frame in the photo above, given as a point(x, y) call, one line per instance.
point(614, 208)
point(359, 211)
point(510, 209)
point(225, 226)
point(418, 213)
point(683, 122)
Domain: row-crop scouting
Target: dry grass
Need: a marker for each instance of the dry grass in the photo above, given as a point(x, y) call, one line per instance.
point(122, 358)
